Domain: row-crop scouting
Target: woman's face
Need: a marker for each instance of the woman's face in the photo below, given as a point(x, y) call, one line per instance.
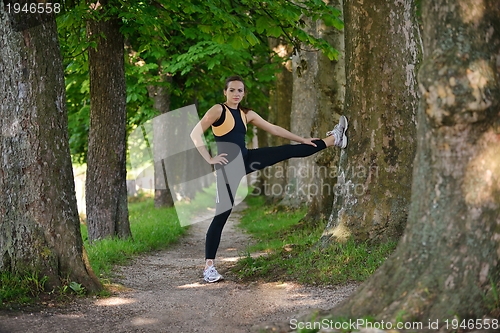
point(234, 92)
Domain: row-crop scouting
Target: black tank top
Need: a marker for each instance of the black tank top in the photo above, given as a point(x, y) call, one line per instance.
point(229, 132)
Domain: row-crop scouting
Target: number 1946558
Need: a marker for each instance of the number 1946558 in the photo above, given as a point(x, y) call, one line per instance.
point(33, 8)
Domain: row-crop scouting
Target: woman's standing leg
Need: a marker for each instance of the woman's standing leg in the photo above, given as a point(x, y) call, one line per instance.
point(228, 178)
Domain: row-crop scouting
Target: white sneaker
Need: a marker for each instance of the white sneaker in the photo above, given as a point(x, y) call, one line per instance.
point(211, 275)
point(339, 132)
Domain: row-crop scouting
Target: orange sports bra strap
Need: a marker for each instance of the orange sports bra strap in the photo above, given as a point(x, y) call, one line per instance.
point(227, 124)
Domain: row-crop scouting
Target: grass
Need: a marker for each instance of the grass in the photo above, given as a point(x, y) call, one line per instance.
point(20, 289)
point(152, 229)
point(492, 298)
point(293, 254)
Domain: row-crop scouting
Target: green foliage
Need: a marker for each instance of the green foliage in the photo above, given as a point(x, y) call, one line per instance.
point(152, 228)
point(196, 43)
point(68, 289)
point(74, 45)
point(293, 254)
point(24, 289)
point(20, 289)
point(77, 288)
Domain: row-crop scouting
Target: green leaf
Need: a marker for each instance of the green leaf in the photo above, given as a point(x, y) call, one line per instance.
point(263, 23)
point(274, 31)
point(332, 54)
point(333, 21)
point(219, 38)
point(76, 287)
point(212, 62)
point(302, 36)
point(338, 23)
point(205, 28)
point(238, 43)
point(252, 39)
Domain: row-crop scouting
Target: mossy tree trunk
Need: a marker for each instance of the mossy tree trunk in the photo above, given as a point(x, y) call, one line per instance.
point(447, 262)
point(106, 188)
point(161, 102)
point(372, 194)
point(331, 94)
point(39, 223)
point(304, 111)
point(272, 180)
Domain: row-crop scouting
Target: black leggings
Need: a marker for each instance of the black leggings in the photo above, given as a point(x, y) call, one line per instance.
point(228, 180)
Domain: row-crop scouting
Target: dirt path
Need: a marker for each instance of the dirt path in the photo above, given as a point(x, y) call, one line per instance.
point(164, 292)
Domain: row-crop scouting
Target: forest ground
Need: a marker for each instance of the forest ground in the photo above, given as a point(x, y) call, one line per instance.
point(164, 292)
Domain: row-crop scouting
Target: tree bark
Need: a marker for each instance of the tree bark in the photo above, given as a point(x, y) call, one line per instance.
point(106, 188)
point(318, 97)
point(331, 80)
point(39, 223)
point(447, 263)
point(304, 111)
point(161, 98)
point(273, 178)
point(372, 194)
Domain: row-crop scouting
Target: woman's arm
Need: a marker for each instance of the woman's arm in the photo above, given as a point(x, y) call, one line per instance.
point(197, 135)
point(255, 119)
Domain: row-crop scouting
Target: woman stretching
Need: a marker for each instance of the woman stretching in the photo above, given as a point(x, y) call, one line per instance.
point(229, 124)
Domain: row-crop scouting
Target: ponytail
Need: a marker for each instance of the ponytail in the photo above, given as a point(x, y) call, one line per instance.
point(243, 108)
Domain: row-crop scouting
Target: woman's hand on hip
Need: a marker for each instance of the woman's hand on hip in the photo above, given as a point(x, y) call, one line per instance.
point(219, 159)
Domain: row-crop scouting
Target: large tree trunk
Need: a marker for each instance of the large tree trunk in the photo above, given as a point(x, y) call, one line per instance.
point(161, 97)
point(318, 97)
point(304, 112)
point(39, 223)
point(331, 94)
point(106, 188)
point(373, 187)
point(447, 263)
point(273, 178)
